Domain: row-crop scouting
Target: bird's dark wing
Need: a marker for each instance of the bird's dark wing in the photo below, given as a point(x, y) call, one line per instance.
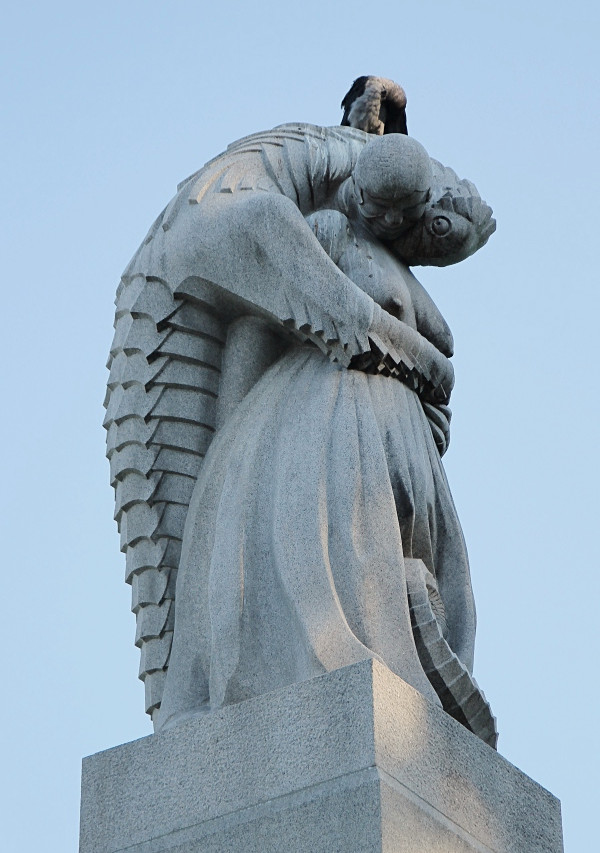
point(376, 105)
point(356, 91)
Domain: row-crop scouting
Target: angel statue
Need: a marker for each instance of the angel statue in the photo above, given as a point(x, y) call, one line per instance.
point(276, 415)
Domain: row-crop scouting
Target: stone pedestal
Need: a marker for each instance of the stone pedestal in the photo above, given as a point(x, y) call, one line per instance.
point(355, 760)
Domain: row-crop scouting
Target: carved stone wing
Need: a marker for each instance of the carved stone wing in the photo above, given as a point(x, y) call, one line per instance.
point(160, 416)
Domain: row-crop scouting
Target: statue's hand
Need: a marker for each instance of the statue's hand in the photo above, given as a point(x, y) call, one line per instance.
point(400, 351)
point(441, 376)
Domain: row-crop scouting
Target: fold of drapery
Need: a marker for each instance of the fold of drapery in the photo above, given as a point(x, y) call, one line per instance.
point(310, 497)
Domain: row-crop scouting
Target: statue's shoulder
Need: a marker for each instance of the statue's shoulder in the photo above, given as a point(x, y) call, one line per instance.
point(299, 136)
point(337, 142)
point(305, 162)
point(300, 132)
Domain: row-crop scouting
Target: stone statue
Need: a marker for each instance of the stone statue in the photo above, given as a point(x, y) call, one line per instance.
point(276, 414)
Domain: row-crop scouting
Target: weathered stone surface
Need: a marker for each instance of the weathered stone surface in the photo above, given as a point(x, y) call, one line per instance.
point(353, 761)
point(277, 412)
point(457, 689)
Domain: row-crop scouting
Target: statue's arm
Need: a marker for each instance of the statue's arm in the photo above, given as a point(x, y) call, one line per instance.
point(430, 322)
point(394, 346)
point(397, 349)
point(258, 249)
point(255, 251)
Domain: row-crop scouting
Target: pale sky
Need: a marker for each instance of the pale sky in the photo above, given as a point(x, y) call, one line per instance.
point(106, 108)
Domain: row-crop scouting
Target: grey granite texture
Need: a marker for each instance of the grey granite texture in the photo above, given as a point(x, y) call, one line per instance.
point(276, 413)
point(455, 686)
point(354, 760)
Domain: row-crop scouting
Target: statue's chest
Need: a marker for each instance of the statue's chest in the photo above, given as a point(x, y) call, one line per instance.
point(379, 274)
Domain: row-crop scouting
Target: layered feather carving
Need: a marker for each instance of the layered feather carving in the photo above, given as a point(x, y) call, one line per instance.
point(164, 365)
point(458, 691)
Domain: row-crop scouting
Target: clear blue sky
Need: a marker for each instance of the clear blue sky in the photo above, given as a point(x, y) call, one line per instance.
point(106, 106)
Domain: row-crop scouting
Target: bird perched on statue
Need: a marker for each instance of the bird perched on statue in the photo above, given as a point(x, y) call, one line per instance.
point(376, 105)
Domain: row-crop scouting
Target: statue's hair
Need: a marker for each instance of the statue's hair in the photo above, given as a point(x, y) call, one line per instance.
point(469, 217)
point(461, 196)
point(470, 206)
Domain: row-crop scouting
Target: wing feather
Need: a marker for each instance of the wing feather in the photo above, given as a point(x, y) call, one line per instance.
point(164, 366)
